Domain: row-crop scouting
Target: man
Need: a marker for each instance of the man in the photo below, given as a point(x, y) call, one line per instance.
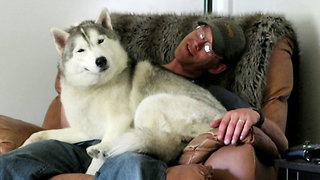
point(201, 52)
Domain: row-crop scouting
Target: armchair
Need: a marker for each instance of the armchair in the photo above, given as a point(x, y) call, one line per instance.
point(263, 77)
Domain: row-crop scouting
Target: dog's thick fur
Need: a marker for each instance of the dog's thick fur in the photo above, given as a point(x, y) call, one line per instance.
point(131, 107)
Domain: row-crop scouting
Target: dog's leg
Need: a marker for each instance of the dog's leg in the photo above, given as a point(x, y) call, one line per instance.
point(119, 124)
point(94, 166)
point(100, 152)
point(162, 121)
point(69, 135)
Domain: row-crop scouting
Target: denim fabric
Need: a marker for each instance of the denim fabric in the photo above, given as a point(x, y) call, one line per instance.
point(130, 166)
point(45, 159)
point(42, 160)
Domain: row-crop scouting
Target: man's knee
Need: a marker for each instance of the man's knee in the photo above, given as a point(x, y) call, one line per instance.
point(138, 166)
point(236, 161)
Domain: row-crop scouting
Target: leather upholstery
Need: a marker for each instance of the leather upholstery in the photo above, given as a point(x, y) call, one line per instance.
point(190, 172)
point(14, 132)
point(55, 117)
point(279, 83)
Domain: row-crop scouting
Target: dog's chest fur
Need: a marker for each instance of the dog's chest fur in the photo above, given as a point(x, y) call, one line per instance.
point(92, 110)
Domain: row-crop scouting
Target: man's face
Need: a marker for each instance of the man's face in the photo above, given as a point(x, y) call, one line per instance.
point(194, 50)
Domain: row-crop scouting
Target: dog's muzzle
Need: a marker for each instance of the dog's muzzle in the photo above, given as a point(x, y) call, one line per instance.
point(101, 62)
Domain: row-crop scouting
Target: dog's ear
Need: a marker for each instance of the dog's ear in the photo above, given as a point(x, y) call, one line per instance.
point(104, 19)
point(60, 39)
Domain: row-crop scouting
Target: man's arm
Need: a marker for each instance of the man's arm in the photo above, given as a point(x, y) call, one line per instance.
point(228, 99)
point(231, 129)
point(276, 134)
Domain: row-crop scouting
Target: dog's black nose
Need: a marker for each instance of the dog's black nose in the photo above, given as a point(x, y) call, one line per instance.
point(101, 62)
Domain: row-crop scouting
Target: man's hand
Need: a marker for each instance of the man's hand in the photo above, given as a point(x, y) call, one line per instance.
point(235, 123)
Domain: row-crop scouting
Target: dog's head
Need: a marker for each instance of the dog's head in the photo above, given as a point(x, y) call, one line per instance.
point(90, 52)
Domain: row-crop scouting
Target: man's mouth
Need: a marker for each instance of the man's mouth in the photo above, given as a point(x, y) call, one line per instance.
point(188, 50)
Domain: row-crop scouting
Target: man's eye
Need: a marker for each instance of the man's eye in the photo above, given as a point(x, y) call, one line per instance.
point(201, 35)
point(207, 48)
point(100, 41)
point(80, 50)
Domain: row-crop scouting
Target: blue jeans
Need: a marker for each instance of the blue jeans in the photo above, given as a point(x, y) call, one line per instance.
point(45, 159)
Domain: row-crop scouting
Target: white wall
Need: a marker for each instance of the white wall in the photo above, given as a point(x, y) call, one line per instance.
point(28, 57)
point(305, 17)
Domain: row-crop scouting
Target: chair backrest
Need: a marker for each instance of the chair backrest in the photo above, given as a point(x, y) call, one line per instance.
point(154, 37)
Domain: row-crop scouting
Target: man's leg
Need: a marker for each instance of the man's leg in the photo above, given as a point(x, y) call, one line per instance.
point(42, 160)
point(132, 166)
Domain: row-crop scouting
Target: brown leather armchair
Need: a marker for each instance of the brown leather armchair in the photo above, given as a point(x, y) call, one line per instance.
point(248, 160)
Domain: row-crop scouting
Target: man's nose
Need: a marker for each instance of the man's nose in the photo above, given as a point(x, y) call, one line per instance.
point(199, 44)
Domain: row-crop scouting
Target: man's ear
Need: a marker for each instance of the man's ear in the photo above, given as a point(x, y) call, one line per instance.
point(217, 69)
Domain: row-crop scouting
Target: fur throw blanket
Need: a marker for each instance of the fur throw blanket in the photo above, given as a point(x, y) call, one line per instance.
point(154, 37)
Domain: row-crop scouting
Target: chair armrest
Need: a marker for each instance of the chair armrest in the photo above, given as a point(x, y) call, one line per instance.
point(14, 132)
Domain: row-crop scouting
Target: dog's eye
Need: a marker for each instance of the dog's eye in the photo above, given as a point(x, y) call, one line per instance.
point(80, 50)
point(100, 41)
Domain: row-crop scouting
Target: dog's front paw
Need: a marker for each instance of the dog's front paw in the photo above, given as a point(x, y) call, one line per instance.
point(39, 136)
point(98, 151)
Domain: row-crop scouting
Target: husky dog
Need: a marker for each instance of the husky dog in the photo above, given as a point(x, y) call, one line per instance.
point(130, 106)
